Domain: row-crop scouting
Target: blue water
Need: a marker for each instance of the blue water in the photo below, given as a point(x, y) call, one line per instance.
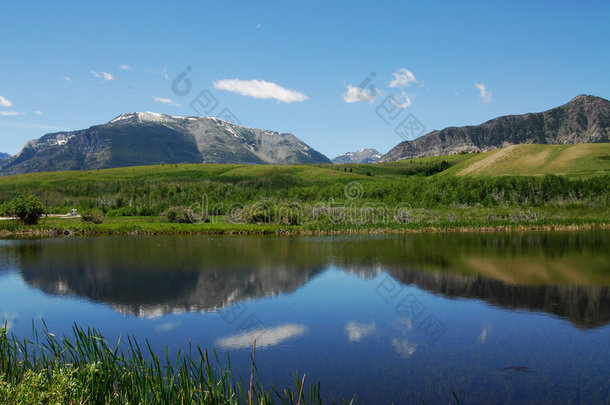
point(379, 318)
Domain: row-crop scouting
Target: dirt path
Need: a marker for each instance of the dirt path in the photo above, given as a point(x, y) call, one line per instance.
point(46, 216)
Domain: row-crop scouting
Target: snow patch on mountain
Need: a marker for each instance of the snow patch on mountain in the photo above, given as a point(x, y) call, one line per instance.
point(366, 155)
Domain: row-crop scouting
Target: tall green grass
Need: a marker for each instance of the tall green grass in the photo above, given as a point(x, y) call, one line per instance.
point(86, 369)
point(151, 191)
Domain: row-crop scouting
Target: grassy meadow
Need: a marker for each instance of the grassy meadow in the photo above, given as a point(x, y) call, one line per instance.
point(523, 185)
point(576, 161)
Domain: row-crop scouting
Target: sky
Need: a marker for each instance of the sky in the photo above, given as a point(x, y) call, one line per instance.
point(340, 75)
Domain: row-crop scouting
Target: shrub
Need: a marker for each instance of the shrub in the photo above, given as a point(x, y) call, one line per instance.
point(28, 208)
point(178, 215)
point(259, 215)
point(94, 216)
point(5, 209)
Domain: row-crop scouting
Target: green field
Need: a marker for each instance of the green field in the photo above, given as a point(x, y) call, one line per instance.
point(533, 185)
point(579, 160)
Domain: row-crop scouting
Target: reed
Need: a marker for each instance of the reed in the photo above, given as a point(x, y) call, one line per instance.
point(86, 369)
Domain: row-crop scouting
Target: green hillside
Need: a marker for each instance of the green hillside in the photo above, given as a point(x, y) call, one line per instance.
point(580, 160)
point(323, 173)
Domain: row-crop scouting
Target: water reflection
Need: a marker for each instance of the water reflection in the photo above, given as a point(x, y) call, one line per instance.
point(321, 313)
point(358, 331)
point(403, 347)
point(565, 274)
point(264, 337)
point(584, 306)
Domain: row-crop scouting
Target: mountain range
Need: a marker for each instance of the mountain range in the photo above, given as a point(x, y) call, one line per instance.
point(367, 155)
point(585, 119)
point(147, 138)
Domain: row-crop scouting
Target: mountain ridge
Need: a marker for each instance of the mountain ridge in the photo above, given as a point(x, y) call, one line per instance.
point(584, 119)
point(365, 155)
point(148, 138)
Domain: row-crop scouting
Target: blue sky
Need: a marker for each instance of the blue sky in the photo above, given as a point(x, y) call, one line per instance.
point(324, 72)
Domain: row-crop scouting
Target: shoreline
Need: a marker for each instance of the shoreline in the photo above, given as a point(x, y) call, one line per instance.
point(248, 229)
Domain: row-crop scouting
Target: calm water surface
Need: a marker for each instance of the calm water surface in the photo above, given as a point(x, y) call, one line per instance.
point(510, 318)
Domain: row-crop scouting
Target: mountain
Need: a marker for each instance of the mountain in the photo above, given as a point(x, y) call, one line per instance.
point(585, 119)
point(4, 156)
point(362, 156)
point(147, 138)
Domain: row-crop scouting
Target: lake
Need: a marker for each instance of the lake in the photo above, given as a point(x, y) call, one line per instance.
point(496, 317)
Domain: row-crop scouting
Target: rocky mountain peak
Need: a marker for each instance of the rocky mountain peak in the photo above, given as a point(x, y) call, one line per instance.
point(584, 119)
point(365, 155)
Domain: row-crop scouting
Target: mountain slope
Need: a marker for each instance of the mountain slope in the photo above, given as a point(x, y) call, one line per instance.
point(146, 138)
point(581, 160)
point(585, 119)
point(362, 156)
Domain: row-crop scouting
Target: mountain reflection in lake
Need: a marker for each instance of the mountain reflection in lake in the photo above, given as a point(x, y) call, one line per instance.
point(521, 316)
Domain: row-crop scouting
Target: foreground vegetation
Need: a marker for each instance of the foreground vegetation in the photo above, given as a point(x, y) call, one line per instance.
point(88, 370)
point(419, 194)
point(418, 220)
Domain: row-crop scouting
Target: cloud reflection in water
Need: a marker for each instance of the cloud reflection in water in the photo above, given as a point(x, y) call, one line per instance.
point(358, 331)
point(265, 337)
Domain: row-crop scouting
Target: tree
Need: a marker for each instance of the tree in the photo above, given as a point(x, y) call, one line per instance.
point(28, 208)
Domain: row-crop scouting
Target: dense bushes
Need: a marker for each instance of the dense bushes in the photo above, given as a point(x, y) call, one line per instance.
point(160, 195)
point(179, 215)
point(94, 216)
point(28, 208)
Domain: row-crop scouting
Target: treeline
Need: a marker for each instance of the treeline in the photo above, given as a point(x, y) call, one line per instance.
point(153, 196)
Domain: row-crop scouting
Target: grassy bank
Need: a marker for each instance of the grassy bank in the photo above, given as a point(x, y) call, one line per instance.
point(86, 369)
point(412, 220)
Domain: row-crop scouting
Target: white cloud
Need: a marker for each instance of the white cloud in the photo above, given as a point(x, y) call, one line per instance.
point(358, 331)
point(404, 100)
point(5, 103)
point(403, 78)
point(260, 89)
point(105, 76)
point(7, 113)
point(38, 112)
point(166, 101)
point(485, 93)
point(68, 79)
point(125, 67)
point(264, 337)
point(355, 94)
